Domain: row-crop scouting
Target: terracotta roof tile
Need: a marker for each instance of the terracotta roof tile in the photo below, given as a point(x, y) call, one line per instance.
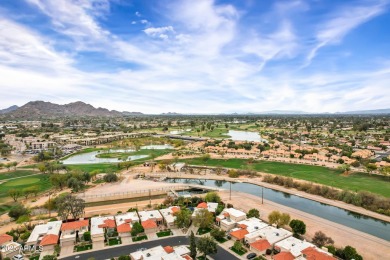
point(5, 238)
point(312, 253)
point(239, 234)
point(284, 256)
point(49, 239)
point(123, 228)
point(261, 245)
point(108, 223)
point(75, 225)
point(175, 209)
point(148, 224)
point(202, 205)
point(169, 249)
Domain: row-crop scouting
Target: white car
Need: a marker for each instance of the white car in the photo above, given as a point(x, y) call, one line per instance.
point(17, 257)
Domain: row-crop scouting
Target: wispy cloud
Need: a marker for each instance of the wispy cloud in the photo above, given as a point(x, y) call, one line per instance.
point(213, 56)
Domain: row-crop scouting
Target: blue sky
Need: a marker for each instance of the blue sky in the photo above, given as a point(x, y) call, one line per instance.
point(199, 56)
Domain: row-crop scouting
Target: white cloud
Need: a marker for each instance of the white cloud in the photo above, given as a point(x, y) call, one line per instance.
point(159, 31)
point(342, 22)
point(138, 14)
point(144, 21)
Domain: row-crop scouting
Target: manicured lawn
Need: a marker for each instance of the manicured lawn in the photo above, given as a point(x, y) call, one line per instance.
point(322, 175)
point(15, 174)
point(156, 152)
point(34, 257)
point(104, 167)
point(164, 233)
point(114, 241)
point(40, 180)
point(241, 252)
point(82, 248)
point(202, 231)
point(139, 238)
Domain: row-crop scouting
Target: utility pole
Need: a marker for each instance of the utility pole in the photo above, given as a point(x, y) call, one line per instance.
point(150, 198)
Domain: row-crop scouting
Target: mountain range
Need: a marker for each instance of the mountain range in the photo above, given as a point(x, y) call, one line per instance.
point(42, 109)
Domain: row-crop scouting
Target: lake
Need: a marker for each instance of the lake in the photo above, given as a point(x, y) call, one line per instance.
point(90, 158)
point(245, 136)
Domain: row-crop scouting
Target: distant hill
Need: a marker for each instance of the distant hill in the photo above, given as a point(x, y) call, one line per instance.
point(283, 112)
point(41, 109)
point(126, 113)
point(367, 112)
point(9, 109)
point(170, 114)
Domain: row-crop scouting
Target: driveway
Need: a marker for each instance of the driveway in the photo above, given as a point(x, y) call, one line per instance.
point(107, 253)
point(66, 250)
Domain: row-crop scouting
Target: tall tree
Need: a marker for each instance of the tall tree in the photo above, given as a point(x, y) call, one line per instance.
point(280, 219)
point(192, 246)
point(70, 206)
point(212, 196)
point(207, 246)
point(183, 218)
point(14, 194)
point(320, 239)
point(203, 218)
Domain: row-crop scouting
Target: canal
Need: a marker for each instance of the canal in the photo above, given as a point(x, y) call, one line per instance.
point(344, 217)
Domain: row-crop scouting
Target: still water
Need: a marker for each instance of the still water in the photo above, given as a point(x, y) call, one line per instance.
point(245, 136)
point(347, 218)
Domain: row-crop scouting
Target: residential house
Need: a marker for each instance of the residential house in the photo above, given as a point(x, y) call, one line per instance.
point(169, 215)
point(150, 220)
point(9, 248)
point(162, 253)
point(45, 235)
point(70, 231)
point(246, 227)
point(229, 217)
point(263, 239)
point(124, 223)
point(292, 245)
point(99, 227)
point(210, 206)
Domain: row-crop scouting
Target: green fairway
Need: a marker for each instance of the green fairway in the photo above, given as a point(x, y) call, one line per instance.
point(22, 181)
point(15, 174)
point(156, 153)
point(104, 167)
point(322, 175)
point(40, 180)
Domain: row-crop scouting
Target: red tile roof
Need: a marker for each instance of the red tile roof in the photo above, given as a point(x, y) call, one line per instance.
point(261, 245)
point(128, 220)
point(5, 238)
point(202, 205)
point(226, 214)
point(49, 240)
point(284, 256)
point(243, 226)
point(187, 257)
point(108, 223)
point(123, 228)
point(239, 234)
point(74, 225)
point(169, 249)
point(148, 224)
point(313, 253)
point(175, 209)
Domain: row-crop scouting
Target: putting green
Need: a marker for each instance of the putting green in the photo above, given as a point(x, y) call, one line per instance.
point(21, 181)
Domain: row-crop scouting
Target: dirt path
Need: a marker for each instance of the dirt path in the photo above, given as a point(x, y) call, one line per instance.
point(368, 246)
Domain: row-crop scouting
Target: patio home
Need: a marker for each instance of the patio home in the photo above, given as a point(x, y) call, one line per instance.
point(210, 206)
point(100, 226)
point(246, 227)
point(124, 223)
point(71, 231)
point(263, 239)
point(9, 248)
point(150, 220)
point(169, 215)
point(45, 235)
point(229, 217)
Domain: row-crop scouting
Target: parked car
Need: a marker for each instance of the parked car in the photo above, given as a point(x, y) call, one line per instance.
point(251, 256)
point(17, 257)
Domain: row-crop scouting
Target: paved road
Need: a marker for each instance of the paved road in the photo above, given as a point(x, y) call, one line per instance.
point(222, 254)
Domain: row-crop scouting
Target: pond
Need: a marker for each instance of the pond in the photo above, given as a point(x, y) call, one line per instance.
point(344, 217)
point(157, 147)
point(90, 158)
point(245, 136)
